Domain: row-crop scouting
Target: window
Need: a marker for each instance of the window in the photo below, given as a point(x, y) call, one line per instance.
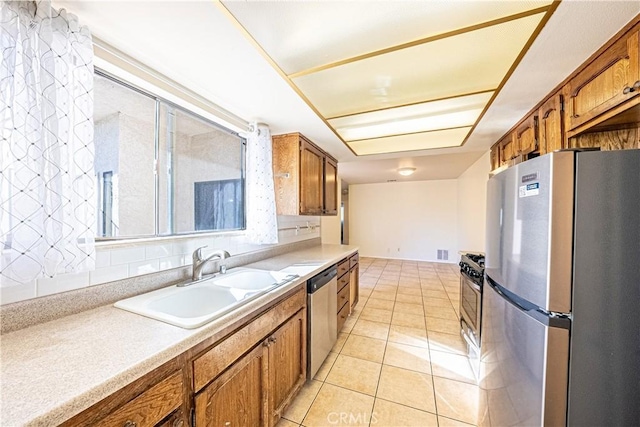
point(162, 170)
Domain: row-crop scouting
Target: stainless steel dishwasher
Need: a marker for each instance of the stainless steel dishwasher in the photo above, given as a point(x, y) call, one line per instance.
point(322, 318)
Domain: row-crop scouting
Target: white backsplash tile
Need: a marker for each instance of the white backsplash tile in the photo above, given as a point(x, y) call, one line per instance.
point(9, 294)
point(103, 257)
point(108, 274)
point(144, 267)
point(127, 255)
point(171, 262)
point(160, 250)
point(62, 283)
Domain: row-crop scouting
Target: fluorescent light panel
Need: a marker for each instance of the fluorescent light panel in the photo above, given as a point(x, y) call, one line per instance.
point(426, 116)
point(411, 142)
point(467, 63)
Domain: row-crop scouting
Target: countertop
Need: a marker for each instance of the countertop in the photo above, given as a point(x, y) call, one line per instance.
point(55, 370)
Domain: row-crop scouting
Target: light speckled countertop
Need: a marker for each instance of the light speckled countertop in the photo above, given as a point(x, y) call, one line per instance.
point(55, 370)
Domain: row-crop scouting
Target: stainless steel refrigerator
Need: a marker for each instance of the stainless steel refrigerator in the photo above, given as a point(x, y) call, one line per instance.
point(561, 301)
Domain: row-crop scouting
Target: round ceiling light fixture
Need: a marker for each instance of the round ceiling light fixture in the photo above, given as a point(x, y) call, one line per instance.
point(406, 171)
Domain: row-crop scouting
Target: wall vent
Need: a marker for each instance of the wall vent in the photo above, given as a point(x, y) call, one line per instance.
point(443, 254)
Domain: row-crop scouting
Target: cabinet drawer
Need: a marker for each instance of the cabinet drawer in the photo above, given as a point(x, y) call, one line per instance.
point(151, 406)
point(343, 267)
point(343, 281)
point(222, 355)
point(342, 316)
point(354, 260)
point(343, 297)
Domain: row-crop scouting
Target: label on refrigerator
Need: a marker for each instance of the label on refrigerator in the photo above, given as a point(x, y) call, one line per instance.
point(530, 190)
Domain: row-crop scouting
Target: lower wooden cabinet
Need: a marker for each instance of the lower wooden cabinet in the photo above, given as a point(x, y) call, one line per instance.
point(246, 378)
point(348, 287)
point(238, 397)
point(287, 363)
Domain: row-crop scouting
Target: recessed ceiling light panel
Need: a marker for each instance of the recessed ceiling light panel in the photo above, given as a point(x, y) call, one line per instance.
point(412, 142)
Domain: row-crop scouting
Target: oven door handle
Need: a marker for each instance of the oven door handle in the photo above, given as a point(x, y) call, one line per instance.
point(473, 284)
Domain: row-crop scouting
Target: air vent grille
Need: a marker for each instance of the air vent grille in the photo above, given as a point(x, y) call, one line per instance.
point(443, 254)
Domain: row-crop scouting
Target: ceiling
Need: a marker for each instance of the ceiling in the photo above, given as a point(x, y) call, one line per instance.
point(394, 76)
point(200, 45)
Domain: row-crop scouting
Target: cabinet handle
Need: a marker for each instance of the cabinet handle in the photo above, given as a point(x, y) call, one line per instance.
point(130, 423)
point(636, 85)
point(627, 90)
point(272, 339)
point(178, 423)
point(265, 343)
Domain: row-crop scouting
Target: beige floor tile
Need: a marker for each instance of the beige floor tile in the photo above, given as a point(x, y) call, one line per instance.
point(441, 313)
point(387, 281)
point(415, 292)
point(456, 400)
point(409, 308)
point(301, 404)
point(436, 302)
point(431, 293)
point(355, 374)
point(336, 406)
point(391, 414)
point(381, 304)
point(286, 423)
point(367, 328)
point(376, 315)
point(410, 320)
point(364, 348)
point(452, 366)
point(364, 293)
point(349, 323)
point(408, 357)
point(416, 337)
point(386, 288)
point(383, 295)
point(411, 299)
point(439, 341)
point(446, 326)
point(407, 387)
point(326, 366)
point(448, 422)
point(342, 338)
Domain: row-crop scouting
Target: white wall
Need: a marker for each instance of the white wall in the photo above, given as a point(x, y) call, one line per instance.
point(407, 220)
point(472, 205)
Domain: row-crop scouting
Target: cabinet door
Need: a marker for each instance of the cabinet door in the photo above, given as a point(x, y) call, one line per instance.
point(526, 136)
point(495, 156)
point(287, 363)
point(239, 397)
point(330, 187)
point(353, 285)
point(550, 125)
point(604, 83)
point(311, 179)
point(508, 148)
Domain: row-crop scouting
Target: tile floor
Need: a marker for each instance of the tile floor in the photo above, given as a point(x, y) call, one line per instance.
point(399, 359)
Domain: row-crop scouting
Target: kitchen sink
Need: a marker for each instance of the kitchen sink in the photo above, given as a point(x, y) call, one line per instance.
point(196, 304)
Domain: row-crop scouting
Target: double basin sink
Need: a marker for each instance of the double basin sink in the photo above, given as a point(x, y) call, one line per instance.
point(196, 304)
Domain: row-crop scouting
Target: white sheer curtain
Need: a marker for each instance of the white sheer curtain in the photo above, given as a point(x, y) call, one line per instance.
point(47, 189)
point(262, 223)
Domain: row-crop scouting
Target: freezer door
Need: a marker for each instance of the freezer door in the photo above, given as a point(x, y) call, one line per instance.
point(523, 367)
point(530, 230)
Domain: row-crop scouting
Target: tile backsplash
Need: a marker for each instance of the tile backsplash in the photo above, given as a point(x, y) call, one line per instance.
point(119, 260)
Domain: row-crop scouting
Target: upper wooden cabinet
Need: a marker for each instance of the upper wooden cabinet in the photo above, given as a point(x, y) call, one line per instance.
point(495, 156)
point(609, 80)
point(551, 125)
point(305, 177)
point(508, 148)
point(525, 136)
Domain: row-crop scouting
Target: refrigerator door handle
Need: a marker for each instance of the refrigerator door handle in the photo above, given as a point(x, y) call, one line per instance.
point(510, 297)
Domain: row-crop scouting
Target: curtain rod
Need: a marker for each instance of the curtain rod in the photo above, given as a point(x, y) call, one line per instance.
point(131, 65)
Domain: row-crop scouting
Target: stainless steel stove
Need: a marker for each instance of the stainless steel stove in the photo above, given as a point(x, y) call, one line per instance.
point(471, 282)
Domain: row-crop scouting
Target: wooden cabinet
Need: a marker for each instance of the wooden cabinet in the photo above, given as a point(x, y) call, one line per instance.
point(238, 397)
point(330, 186)
point(508, 149)
point(609, 80)
point(551, 125)
point(287, 364)
point(255, 389)
point(348, 289)
point(246, 377)
point(525, 136)
point(494, 156)
point(305, 177)
point(354, 280)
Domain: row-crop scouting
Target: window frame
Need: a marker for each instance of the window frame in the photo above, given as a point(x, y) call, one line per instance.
point(159, 100)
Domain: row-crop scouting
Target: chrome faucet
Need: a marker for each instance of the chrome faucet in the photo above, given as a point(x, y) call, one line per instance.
point(199, 263)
